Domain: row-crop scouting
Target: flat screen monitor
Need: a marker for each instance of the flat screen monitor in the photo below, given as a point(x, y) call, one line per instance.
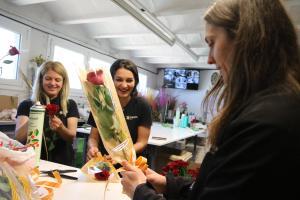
point(187, 79)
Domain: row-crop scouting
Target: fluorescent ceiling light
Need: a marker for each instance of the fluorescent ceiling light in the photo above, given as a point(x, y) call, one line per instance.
point(140, 13)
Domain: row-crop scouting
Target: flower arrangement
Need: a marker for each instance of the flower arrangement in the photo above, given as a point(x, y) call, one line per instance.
point(172, 103)
point(107, 112)
point(183, 107)
point(150, 96)
point(180, 168)
point(39, 60)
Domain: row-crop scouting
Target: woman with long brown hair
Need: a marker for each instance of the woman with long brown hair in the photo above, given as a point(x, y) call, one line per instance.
point(255, 136)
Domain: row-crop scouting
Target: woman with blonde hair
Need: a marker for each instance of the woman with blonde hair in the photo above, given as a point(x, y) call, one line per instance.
point(52, 86)
point(255, 136)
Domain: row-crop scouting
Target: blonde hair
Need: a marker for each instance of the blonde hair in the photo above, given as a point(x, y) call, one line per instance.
point(266, 55)
point(38, 93)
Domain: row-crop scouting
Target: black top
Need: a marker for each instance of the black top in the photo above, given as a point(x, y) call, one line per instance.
point(59, 150)
point(258, 157)
point(137, 113)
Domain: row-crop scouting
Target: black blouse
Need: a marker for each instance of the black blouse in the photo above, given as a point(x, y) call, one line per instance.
point(56, 149)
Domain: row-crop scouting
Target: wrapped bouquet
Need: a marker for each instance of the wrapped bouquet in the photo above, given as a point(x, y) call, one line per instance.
point(108, 115)
point(19, 179)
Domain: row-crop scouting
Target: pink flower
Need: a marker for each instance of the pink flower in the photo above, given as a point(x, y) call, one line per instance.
point(96, 78)
point(13, 51)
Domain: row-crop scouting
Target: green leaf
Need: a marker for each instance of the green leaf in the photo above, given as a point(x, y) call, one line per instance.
point(34, 140)
point(4, 187)
point(7, 61)
point(36, 132)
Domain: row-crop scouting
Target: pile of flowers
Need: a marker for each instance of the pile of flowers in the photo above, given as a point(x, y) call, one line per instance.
point(180, 168)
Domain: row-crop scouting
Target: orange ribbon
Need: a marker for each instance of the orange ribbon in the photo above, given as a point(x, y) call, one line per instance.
point(48, 185)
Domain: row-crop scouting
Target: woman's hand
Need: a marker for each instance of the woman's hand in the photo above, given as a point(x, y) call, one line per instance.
point(92, 152)
point(55, 123)
point(158, 181)
point(132, 177)
point(109, 159)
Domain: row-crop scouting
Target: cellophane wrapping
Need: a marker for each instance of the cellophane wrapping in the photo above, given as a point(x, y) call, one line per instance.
point(108, 114)
point(16, 163)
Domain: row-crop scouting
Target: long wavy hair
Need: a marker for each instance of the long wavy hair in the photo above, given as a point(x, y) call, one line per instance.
point(129, 65)
point(38, 93)
point(266, 55)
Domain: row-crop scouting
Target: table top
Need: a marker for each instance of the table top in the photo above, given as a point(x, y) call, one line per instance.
point(161, 135)
point(83, 188)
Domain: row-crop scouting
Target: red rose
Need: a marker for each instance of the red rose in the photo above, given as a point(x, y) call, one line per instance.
point(181, 163)
point(175, 172)
point(52, 109)
point(96, 77)
point(13, 51)
point(102, 176)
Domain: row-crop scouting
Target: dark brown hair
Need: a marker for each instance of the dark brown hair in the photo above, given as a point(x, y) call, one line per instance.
point(129, 65)
point(266, 55)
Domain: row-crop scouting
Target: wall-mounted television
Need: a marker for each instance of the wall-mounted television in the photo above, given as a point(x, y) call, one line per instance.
point(181, 78)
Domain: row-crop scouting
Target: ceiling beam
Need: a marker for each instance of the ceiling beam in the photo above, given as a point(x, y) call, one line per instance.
point(29, 2)
point(140, 47)
point(120, 35)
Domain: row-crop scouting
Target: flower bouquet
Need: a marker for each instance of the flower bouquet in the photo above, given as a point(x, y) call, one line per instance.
point(108, 115)
point(180, 168)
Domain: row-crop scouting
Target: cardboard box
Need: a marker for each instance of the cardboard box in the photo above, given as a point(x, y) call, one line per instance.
point(8, 102)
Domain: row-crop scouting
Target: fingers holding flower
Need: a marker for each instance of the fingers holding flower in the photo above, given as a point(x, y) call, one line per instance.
point(55, 123)
point(131, 178)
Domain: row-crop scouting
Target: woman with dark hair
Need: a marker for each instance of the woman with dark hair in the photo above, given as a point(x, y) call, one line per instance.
point(255, 136)
point(52, 86)
point(136, 110)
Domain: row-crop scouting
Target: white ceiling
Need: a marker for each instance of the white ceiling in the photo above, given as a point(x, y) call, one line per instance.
point(105, 21)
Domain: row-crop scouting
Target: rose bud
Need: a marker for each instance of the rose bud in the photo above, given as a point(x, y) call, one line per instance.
point(13, 51)
point(95, 77)
point(102, 176)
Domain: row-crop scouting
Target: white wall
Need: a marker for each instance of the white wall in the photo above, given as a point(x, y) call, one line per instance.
point(193, 98)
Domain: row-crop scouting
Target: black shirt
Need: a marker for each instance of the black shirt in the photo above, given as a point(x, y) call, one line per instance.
point(56, 149)
point(258, 156)
point(137, 113)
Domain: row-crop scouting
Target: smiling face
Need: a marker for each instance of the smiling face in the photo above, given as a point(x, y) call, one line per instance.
point(52, 83)
point(124, 83)
point(220, 49)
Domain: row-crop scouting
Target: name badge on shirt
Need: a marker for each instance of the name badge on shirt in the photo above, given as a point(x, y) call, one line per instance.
point(131, 117)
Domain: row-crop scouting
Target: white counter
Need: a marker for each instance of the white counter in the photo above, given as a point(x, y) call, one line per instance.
point(83, 188)
point(161, 135)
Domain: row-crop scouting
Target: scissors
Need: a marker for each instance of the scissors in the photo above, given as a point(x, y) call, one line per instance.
point(62, 173)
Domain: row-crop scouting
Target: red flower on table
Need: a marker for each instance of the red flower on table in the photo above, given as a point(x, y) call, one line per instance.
point(96, 78)
point(52, 109)
point(102, 176)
